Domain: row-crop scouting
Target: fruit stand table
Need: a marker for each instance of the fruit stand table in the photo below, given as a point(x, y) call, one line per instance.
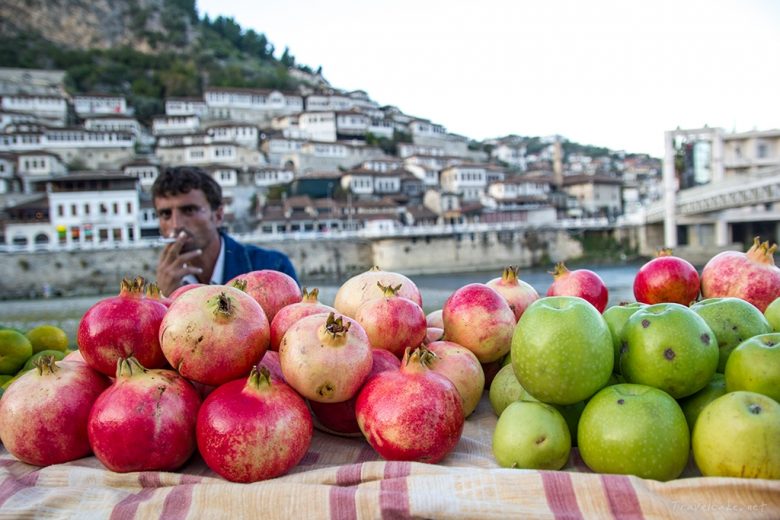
point(344, 478)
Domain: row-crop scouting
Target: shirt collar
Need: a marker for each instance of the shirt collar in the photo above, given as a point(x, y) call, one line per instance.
point(216, 275)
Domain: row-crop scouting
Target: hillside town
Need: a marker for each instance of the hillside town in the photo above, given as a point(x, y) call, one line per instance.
point(75, 169)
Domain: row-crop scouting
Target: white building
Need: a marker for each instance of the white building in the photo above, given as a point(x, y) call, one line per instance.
point(185, 106)
point(145, 171)
point(47, 109)
point(207, 153)
point(466, 180)
point(118, 123)
point(92, 149)
point(178, 124)
point(89, 105)
point(246, 135)
point(80, 209)
point(257, 106)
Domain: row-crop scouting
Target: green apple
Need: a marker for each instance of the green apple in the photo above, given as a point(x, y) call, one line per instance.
point(772, 314)
point(755, 366)
point(635, 430)
point(506, 389)
point(532, 435)
point(616, 317)
point(670, 347)
point(694, 404)
point(562, 350)
point(738, 435)
point(733, 320)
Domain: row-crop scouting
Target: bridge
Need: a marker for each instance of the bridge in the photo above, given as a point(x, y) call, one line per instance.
point(744, 193)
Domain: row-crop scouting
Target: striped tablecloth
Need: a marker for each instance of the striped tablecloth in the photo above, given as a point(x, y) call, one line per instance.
point(343, 478)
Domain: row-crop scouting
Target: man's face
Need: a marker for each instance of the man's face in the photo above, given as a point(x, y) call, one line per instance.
point(189, 212)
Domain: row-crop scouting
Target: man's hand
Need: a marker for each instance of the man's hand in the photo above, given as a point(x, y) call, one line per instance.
point(175, 265)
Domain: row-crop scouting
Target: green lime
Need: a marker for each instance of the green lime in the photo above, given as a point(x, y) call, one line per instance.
point(30, 363)
point(15, 349)
point(47, 337)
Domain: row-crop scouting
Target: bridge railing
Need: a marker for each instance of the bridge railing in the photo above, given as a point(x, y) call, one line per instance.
point(396, 232)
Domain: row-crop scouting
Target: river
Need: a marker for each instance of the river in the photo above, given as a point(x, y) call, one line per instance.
point(435, 289)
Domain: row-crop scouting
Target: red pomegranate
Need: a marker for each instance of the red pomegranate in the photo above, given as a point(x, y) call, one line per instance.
point(122, 326)
point(43, 414)
point(666, 278)
point(752, 276)
point(411, 414)
point(363, 287)
point(461, 366)
point(145, 421)
point(518, 293)
point(214, 334)
point(255, 429)
point(478, 318)
point(271, 362)
point(183, 289)
point(581, 282)
point(325, 358)
point(392, 322)
point(339, 418)
point(291, 313)
point(433, 319)
point(433, 334)
point(271, 289)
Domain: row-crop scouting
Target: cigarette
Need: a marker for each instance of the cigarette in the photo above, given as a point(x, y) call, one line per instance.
point(166, 240)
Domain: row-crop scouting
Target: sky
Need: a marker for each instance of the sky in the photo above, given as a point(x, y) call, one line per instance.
point(612, 73)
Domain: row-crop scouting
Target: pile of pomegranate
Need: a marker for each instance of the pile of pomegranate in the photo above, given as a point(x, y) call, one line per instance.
point(244, 372)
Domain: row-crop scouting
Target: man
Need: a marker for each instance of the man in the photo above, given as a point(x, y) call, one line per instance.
point(188, 203)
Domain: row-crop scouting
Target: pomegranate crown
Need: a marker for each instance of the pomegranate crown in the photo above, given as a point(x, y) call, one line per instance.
point(664, 251)
point(420, 356)
point(388, 290)
point(310, 296)
point(153, 291)
point(134, 287)
point(559, 270)
point(259, 377)
point(336, 326)
point(239, 284)
point(128, 367)
point(762, 252)
point(45, 365)
point(510, 273)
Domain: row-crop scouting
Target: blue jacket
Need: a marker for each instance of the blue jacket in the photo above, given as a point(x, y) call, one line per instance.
point(243, 258)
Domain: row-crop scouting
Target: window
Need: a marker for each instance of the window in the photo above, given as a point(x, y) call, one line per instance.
point(115, 208)
point(129, 208)
point(73, 210)
point(762, 151)
point(86, 209)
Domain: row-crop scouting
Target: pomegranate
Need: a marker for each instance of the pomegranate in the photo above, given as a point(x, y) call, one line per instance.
point(271, 289)
point(291, 313)
point(666, 278)
point(363, 287)
point(433, 319)
point(325, 358)
point(478, 318)
point(581, 282)
point(339, 418)
point(43, 414)
point(255, 429)
point(214, 334)
point(145, 421)
point(752, 276)
point(518, 294)
point(271, 362)
point(433, 334)
point(392, 322)
point(183, 289)
point(122, 326)
point(412, 413)
point(74, 356)
point(461, 366)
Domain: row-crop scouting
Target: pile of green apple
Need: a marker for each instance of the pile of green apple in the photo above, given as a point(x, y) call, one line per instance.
point(640, 387)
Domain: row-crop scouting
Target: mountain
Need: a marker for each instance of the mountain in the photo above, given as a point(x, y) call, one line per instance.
point(146, 50)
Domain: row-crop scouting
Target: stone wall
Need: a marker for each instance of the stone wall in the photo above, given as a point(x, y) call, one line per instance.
point(100, 271)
